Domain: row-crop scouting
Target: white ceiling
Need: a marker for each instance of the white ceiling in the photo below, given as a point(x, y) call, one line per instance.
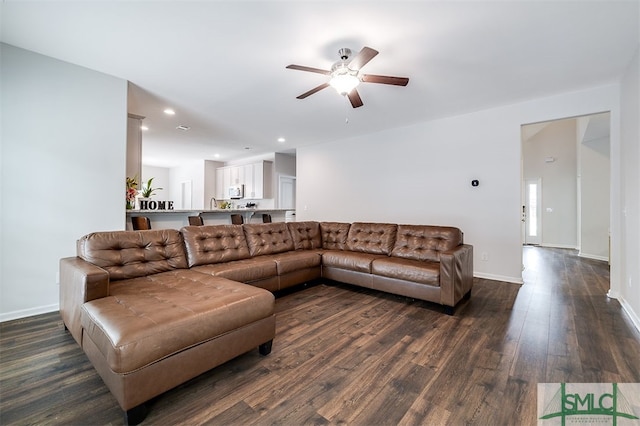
point(221, 64)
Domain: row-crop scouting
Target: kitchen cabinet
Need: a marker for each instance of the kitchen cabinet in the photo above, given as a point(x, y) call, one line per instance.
point(256, 178)
point(237, 175)
point(219, 184)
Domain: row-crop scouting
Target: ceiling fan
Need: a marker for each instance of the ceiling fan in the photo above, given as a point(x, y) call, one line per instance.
point(345, 75)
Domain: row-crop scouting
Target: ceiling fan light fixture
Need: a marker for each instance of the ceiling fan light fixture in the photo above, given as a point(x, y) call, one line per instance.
point(344, 80)
point(344, 83)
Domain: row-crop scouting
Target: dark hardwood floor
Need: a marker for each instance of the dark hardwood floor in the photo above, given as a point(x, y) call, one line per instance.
point(345, 355)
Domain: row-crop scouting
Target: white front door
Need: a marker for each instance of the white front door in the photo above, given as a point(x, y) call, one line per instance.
point(532, 211)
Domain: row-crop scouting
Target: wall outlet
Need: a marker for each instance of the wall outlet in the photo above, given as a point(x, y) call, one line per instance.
point(484, 256)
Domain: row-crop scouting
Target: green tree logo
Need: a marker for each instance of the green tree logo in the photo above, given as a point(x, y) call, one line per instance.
point(588, 403)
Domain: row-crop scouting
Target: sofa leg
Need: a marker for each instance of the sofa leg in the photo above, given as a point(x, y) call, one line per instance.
point(448, 310)
point(135, 415)
point(265, 348)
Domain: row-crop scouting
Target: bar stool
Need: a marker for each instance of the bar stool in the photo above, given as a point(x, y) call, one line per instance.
point(140, 223)
point(266, 218)
point(196, 220)
point(237, 219)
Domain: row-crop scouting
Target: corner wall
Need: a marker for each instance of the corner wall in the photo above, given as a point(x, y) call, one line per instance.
point(64, 131)
point(627, 290)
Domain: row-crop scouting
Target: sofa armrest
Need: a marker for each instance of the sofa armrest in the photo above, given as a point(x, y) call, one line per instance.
point(80, 282)
point(456, 274)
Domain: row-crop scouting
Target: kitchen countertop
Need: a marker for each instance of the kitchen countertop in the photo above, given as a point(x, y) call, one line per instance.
point(176, 219)
point(207, 211)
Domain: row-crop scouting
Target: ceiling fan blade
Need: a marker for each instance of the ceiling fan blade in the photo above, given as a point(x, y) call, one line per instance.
point(354, 98)
point(310, 69)
point(384, 79)
point(361, 59)
point(312, 91)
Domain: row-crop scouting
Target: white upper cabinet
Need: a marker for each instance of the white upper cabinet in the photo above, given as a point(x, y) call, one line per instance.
point(256, 178)
point(237, 175)
point(223, 181)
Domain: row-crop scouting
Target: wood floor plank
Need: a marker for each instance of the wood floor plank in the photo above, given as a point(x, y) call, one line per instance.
point(348, 355)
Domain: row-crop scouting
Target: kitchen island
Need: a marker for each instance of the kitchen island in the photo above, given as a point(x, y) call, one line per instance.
point(176, 219)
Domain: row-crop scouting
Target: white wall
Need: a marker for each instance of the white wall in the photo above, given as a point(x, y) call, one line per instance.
point(283, 165)
point(63, 171)
point(192, 172)
point(627, 289)
point(422, 174)
point(210, 181)
point(559, 210)
point(161, 179)
point(594, 171)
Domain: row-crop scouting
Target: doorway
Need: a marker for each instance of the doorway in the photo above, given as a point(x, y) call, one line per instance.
point(570, 158)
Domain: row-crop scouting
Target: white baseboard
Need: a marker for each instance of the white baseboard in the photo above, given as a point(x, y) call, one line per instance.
point(560, 246)
point(633, 316)
point(24, 313)
point(515, 280)
point(593, 256)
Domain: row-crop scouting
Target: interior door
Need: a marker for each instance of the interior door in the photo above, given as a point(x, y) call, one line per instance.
point(287, 192)
point(185, 194)
point(532, 211)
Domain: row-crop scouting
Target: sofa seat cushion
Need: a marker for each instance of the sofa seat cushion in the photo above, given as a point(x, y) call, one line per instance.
point(350, 260)
point(423, 272)
point(147, 319)
point(296, 260)
point(246, 270)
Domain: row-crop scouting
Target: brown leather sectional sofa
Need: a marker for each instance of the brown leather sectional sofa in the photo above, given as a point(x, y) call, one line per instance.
point(153, 309)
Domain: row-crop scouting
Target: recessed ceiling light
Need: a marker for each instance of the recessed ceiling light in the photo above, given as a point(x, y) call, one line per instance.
point(169, 111)
point(216, 155)
point(144, 128)
point(183, 127)
point(281, 140)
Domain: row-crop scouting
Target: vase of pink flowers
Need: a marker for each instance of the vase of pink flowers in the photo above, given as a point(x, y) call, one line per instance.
point(132, 192)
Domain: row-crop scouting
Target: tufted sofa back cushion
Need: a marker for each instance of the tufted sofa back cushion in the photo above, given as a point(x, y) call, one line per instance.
point(306, 235)
point(334, 235)
point(374, 238)
point(214, 244)
point(132, 254)
point(421, 242)
point(268, 238)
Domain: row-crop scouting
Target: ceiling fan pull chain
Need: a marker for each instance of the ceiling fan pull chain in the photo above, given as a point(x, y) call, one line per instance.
point(346, 109)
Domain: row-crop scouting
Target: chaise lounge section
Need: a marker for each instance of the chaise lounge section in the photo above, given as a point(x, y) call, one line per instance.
point(153, 309)
point(147, 323)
